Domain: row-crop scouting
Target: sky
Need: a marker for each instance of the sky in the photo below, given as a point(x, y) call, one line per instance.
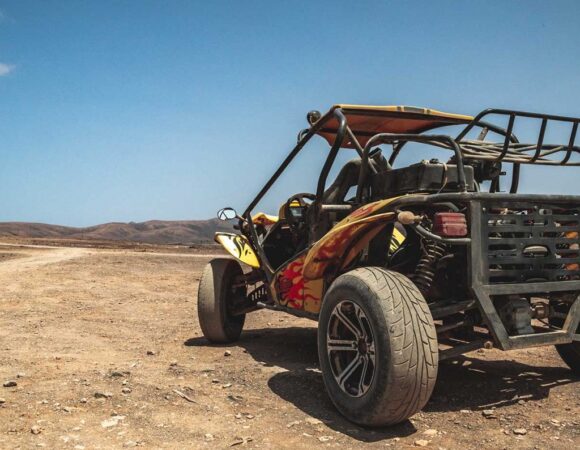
point(130, 111)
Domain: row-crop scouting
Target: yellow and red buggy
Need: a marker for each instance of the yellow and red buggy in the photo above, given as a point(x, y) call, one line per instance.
point(425, 262)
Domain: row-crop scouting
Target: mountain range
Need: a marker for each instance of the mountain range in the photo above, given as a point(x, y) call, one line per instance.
point(151, 232)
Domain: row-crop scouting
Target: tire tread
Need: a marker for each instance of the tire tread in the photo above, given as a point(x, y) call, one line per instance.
point(413, 340)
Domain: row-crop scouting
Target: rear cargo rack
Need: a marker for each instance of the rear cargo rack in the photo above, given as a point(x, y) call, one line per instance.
point(510, 150)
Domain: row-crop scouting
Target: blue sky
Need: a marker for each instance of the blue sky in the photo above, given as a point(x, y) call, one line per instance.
point(128, 111)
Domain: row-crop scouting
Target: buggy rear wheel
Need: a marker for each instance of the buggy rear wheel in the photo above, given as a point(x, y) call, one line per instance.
point(570, 353)
point(377, 346)
point(214, 297)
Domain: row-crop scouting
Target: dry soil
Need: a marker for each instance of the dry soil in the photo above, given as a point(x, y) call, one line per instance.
point(105, 350)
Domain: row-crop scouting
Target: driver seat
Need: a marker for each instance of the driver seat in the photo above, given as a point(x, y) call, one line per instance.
point(346, 179)
point(336, 193)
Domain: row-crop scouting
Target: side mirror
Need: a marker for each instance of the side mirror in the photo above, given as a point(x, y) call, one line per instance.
point(227, 214)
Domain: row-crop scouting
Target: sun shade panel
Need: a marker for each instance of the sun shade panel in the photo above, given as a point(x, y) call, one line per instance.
point(366, 121)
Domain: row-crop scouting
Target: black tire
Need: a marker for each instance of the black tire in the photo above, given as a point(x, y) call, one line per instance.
point(404, 344)
point(213, 296)
point(570, 353)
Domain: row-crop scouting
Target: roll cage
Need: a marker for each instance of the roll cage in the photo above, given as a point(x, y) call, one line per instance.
point(334, 126)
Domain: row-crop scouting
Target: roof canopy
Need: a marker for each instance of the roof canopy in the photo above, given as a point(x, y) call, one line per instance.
point(366, 121)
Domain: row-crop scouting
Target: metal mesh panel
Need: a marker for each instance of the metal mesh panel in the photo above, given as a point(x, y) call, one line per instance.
point(530, 243)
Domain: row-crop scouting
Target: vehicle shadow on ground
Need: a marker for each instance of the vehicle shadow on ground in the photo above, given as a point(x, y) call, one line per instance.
point(294, 349)
point(464, 383)
point(477, 383)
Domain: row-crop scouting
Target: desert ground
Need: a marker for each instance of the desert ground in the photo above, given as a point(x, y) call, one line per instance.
point(100, 348)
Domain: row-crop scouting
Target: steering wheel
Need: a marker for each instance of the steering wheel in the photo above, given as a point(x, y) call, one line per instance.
point(301, 198)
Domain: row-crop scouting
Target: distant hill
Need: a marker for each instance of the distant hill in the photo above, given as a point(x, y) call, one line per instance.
point(151, 232)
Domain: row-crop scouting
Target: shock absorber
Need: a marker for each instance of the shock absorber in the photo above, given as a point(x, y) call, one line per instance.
point(425, 271)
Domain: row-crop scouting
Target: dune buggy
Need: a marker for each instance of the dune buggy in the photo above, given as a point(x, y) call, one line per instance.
point(421, 263)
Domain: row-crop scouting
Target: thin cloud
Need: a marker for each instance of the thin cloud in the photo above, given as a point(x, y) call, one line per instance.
point(5, 69)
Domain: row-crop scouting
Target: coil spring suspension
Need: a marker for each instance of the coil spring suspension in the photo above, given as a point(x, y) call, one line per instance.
point(425, 271)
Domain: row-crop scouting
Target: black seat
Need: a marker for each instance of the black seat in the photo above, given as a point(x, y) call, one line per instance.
point(346, 179)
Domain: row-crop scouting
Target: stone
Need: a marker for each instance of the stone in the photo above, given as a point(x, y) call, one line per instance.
point(312, 421)
point(488, 413)
point(430, 432)
point(520, 431)
point(227, 353)
point(10, 383)
point(36, 429)
point(151, 352)
point(2, 401)
point(208, 437)
point(421, 443)
point(83, 400)
point(126, 390)
point(293, 423)
point(112, 421)
point(120, 373)
point(325, 438)
point(100, 394)
point(130, 444)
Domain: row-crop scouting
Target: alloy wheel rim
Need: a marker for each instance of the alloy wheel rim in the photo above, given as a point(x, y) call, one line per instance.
point(350, 347)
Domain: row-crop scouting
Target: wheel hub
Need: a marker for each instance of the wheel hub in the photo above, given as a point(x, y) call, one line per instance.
point(351, 348)
point(362, 347)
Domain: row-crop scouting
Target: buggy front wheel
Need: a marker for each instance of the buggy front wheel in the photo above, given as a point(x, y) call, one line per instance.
point(377, 347)
point(214, 298)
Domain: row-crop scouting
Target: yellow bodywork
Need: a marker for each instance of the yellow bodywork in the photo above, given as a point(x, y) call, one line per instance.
point(264, 219)
point(291, 289)
point(336, 247)
point(396, 241)
point(300, 283)
point(238, 246)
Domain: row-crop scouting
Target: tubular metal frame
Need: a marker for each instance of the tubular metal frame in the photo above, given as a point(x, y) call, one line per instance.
point(399, 140)
point(481, 289)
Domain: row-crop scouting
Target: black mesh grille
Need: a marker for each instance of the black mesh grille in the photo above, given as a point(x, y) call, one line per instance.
point(530, 243)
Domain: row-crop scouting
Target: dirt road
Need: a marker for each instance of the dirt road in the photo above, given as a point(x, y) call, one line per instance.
point(105, 351)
